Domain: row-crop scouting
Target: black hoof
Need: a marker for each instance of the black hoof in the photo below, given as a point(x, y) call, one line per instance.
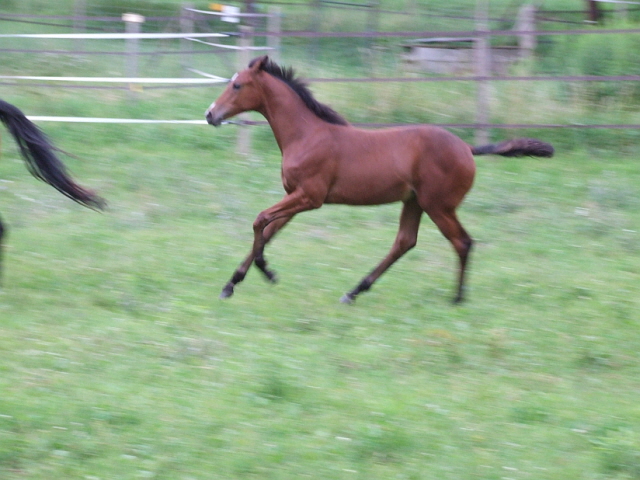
point(348, 299)
point(227, 291)
point(271, 276)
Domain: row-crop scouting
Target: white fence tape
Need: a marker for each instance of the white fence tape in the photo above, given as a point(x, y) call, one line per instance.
point(112, 36)
point(229, 47)
point(37, 118)
point(230, 14)
point(115, 36)
point(210, 79)
point(207, 75)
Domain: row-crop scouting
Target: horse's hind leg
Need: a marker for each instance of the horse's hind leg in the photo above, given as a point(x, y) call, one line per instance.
point(242, 270)
point(450, 226)
point(405, 241)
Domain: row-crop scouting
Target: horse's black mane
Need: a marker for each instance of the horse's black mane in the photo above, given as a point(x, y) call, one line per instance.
point(288, 76)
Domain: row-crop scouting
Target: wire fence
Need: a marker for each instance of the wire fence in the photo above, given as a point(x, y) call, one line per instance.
point(196, 20)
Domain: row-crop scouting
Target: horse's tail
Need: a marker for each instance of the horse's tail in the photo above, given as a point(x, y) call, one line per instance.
point(518, 147)
point(41, 159)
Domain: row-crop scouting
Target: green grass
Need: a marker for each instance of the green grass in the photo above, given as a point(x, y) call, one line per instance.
point(119, 361)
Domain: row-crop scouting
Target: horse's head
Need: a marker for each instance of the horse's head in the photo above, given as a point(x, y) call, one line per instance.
point(242, 94)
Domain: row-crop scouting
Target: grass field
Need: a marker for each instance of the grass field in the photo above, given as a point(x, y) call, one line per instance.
point(120, 362)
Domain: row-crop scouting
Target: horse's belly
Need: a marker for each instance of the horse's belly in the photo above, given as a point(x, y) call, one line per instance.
point(363, 191)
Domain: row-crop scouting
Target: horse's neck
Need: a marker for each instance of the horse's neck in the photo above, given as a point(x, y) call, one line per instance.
point(289, 118)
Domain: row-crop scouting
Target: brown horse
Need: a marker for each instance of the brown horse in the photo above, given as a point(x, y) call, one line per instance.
point(326, 160)
point(42, 161)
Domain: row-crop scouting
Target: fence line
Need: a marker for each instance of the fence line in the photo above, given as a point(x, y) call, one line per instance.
point(229, 47)
point(211, 79)
point(262, 123)
point(113, 36)
point(89, 52)
point(229, 14)
point(430, 14)
point(122, 121)
point(476, 78)
point(313, 34)
point(195, 82)
point(103, 87)
point(216, 79)
point(444, 33)
point(118, 19)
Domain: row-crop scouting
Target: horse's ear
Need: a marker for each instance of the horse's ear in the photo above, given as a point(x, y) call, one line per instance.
point(258, 63)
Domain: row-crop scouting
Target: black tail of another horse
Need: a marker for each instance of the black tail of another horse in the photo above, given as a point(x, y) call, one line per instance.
point(518, 147)
point(41, 159)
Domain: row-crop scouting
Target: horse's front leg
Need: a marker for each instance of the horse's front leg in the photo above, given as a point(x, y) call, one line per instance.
point(242, 270)
point(266, 225)
point(267, 234)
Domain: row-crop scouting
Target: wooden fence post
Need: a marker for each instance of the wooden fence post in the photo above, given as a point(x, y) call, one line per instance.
point(274, 23)
point(483, 70)
point(373, 20)
point(245, 40)
point(132, 23)
point(79, 21)
point(526, 22)
point(315, 25)
point(187, 25)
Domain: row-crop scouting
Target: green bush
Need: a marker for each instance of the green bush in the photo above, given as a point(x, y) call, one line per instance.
point(599, 55)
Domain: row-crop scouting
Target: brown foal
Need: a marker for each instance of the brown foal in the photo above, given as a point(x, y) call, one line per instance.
point(326, 160)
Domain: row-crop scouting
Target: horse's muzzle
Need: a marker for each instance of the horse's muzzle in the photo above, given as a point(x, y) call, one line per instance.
point(211, 120)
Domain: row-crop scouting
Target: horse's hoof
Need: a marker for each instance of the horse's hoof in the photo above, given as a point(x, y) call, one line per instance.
point(226, 292)
point(347, 299)
point(271, 276)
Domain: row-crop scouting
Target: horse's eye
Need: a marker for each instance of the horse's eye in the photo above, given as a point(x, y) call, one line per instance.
point(236, 86)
